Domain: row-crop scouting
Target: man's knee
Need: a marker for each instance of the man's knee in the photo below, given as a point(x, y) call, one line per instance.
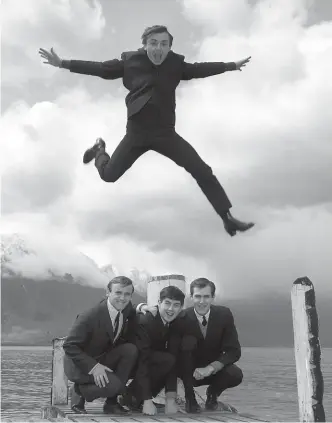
point(235, 375)
point(129, 350)
point(108, 176)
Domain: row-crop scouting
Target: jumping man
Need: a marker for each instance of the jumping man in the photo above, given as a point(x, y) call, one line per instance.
point(151, 74)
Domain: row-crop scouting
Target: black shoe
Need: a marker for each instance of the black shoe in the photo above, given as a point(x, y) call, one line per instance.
point(232, 225)
point(192, 406)
point(115, 408)
point(211, 402)
point(128, 400)
point(91, 152)
point(77, 409)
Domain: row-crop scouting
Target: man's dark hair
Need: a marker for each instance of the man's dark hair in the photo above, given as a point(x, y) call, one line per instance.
point(202, 283)
point(121, 280)
point(156, 29)
point(173, 293)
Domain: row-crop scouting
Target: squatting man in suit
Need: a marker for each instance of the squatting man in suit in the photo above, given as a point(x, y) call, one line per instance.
point(158, 344)
point(209, 347)
point(100, 350)
point(152, 74)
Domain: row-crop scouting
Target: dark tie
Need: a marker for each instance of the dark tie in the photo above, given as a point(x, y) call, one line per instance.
point(204, 321)
point(116, 324)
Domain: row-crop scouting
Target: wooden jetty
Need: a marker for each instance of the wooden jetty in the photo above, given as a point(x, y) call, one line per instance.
point(307, 354)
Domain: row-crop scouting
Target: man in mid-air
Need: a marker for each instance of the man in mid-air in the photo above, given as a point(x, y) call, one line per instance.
point(152, 74)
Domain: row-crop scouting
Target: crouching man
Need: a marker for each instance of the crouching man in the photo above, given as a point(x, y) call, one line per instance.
point(158, 342)
point(210, 347)
point(98, 354)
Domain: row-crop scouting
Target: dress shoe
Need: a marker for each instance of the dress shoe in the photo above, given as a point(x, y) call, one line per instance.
point(128, 400)
point(211, 402)
point(233, 225)
point(79, 401)
point(91, 152)
point(192, 406)
point(78, 409)
point(115, 408)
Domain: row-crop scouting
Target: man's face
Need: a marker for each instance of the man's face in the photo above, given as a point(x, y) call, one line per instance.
point(157, 47)
point(120, 296)
point(202, 298)
point(169, 309)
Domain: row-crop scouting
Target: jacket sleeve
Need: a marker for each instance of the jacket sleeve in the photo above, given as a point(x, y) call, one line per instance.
point(205, 69)
point(231, 349)
point(143, 343)
point(111, 69)
point(74, 344)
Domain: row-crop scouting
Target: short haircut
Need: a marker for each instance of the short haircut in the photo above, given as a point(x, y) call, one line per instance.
point(121, 280)
point(202, 283)
point(173, 293)
point(156, 29)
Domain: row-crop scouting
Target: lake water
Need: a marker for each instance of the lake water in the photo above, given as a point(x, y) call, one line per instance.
point(268, 389)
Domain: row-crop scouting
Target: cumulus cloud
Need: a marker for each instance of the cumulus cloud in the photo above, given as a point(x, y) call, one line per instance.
point(265, 131)
point(29, 25)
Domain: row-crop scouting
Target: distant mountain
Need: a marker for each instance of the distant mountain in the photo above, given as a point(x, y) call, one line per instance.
point(35, 312)
point(37, 308)
point(25, 258)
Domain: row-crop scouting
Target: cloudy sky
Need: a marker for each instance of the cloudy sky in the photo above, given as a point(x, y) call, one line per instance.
point(265, 131)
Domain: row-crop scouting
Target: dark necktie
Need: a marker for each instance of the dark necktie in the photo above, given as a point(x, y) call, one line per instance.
point(116, 324)
point(204, 321)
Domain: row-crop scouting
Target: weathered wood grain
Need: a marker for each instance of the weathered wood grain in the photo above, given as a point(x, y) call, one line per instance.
point(307, 352)
point(59, 393)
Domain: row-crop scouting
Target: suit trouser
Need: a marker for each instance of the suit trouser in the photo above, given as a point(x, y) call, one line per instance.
point(140, 139)
point(161, 374)
point(121, 359)
point(229, 377)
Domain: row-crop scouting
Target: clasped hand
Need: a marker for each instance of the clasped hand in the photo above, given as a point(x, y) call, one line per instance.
point(203, 372)
point(100, 376)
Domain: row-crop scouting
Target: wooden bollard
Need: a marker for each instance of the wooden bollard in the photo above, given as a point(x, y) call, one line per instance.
point(310, 383)
point(59, 394)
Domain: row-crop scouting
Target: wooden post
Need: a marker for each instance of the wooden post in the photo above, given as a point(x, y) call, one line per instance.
point(307, 352)
point(157, 283)
point(59, 393)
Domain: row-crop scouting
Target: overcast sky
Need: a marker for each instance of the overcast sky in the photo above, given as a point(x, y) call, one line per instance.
point(266, 132)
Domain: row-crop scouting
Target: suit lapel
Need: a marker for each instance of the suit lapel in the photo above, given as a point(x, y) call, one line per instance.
point(106, 320)
point(212, 324)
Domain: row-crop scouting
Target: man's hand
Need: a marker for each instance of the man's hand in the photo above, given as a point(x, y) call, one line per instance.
point(171, 406)
point(100, 376)
point(203, 372)
point(149, 408)
point(242, 63)
point(152, 309)
point(51, 57)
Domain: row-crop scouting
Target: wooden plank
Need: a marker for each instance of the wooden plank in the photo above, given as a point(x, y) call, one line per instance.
point(307, 352)
point(59, 392)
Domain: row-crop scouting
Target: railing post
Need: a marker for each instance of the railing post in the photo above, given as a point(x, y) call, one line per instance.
point(310, 383)
point(157, 283)
point(59, 393)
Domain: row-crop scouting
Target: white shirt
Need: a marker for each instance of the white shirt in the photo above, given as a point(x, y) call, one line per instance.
point(113, 313)
point(200, 318)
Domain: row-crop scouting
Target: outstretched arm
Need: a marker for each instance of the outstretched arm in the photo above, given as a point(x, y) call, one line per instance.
point(111, 69)
point(205, 69)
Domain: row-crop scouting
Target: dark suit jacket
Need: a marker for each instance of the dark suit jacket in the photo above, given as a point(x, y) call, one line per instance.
point(221, 342)
point(153, 336)
point(147, 82)
point(91, 337)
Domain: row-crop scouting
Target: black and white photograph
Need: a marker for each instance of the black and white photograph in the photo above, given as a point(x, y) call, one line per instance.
point(166, 208)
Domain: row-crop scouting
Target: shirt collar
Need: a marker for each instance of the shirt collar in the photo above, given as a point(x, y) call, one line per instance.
point(200, 318)
point(163, 321)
